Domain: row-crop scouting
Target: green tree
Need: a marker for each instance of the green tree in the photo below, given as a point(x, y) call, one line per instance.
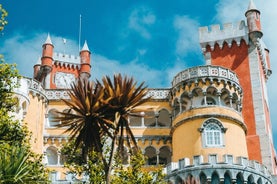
point(135, 173)
point(94, 168)
point(3, 21)
point(18, 164)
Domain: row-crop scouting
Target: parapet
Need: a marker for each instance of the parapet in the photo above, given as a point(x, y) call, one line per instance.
point(228, 33)
point(205, 72)
point(229, 163)
point(66, 60)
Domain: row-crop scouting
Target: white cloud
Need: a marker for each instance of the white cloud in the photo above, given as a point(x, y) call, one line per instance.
point(140, 20)
point(104, 66)
point(25, 51)
point(187, 30)
point(233, 10)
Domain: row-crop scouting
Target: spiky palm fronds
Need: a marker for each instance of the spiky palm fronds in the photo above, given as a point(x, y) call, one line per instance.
point(85, 120)
point(123, 96)
point(19, 165)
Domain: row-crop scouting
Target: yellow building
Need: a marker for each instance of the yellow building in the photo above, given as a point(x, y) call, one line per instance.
point(211, 126)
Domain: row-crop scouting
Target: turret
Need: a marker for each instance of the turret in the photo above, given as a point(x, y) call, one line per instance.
point(47, 55)
point(207, 104)
point(85, 62)
point(37, 69)
point(253, 21)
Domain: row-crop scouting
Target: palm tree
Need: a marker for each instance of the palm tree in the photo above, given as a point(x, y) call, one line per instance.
point(85, 120)
point(124, 97)
point(98, 110)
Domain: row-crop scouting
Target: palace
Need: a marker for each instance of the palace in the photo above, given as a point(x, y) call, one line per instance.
point(211, 126)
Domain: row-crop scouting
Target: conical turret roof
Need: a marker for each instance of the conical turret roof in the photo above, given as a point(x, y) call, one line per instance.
point(85, 47)
point(48, 40)
point(252, 7)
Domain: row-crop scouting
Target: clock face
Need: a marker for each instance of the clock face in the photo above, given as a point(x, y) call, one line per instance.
point(64, 80)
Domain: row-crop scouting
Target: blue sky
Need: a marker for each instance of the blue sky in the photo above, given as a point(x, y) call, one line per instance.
point(148, 39)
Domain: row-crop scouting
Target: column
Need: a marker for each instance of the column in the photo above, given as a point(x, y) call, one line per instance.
point(205, 98)
point(157, 153)
point(218, 97)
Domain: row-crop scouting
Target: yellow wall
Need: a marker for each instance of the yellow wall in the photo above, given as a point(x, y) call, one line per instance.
point(187, 139)
point(35, 119)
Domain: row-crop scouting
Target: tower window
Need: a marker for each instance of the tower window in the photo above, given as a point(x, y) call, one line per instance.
point(209, 101)
point(212, 133)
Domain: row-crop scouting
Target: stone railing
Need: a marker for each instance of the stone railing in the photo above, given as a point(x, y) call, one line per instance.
point(55, 94)
point(158, 94)
point(205, 71)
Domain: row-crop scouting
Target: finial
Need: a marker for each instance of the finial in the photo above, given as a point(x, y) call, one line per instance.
point(48, 40)
point(38, 61)
point(85, 47)
point(252, 6)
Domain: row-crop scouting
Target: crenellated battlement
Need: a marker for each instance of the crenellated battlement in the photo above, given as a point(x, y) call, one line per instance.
point(219, 35)
point(66, 60)
point(234, 165)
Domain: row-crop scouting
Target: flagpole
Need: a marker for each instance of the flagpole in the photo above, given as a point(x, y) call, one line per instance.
point(80, 31)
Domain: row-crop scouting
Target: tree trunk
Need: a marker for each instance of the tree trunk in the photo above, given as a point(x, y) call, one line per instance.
point(109, 168)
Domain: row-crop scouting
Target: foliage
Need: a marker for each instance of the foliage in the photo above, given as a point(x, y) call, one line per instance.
point(8, 77)
point(101, 110)
point(19, 165)
point(94, 168)
point(3, 21)
point(123, 96)
point(135, 173)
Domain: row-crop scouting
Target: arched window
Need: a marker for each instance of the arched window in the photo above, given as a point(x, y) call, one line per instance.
point(150, 119)
point(179, 180)
point(227, 178)
point(209, 101)
point(176, 107)
point(203, 178)
point(165, 155)
point(51, 115)
point(164, 118)
point(240, 178)
point(136, 119)
point(215, 178)
point(250, 179)
point(52, 155)
point(212, 133)
point(150, 153)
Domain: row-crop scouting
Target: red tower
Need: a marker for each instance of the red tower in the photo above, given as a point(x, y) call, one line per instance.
point(85, 62)
point(240, 48)
point(59, 70)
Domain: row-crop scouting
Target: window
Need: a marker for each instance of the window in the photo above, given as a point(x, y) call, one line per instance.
point(52, 155)
point(215, 178)
point(51, 115)
point(212, 133)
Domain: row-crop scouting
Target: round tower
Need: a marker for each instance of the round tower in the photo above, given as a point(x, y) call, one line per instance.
point(207, 119)
point(85, 62)
point(37, 69)
point(208, 131)
point(47, 55)
point(253, 21)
